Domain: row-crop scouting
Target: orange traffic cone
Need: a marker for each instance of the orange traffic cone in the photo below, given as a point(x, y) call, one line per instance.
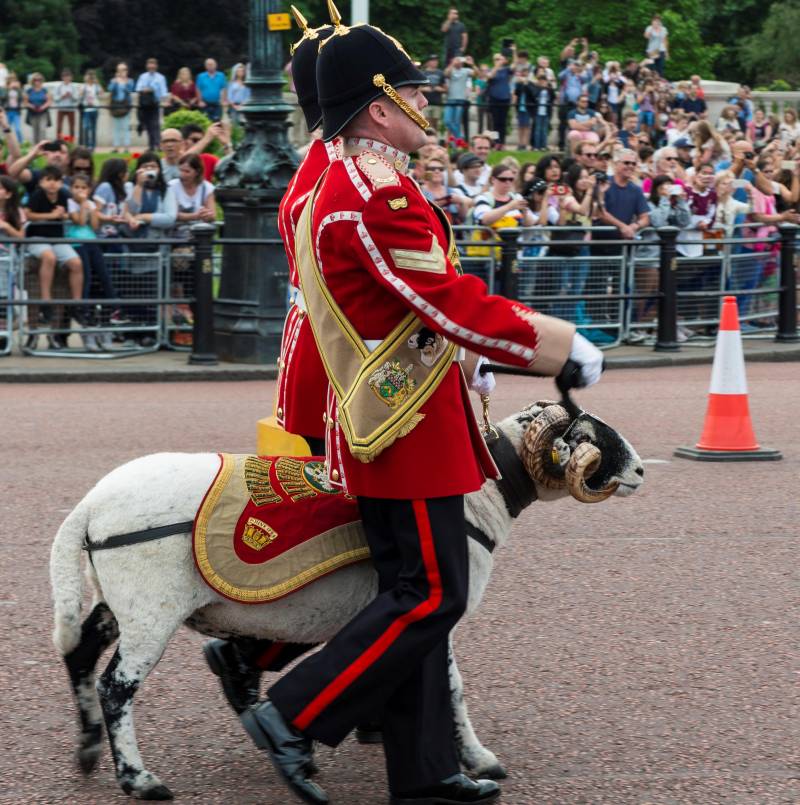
point(728, 432)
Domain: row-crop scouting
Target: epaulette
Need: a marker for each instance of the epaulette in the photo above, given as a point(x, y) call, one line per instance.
point(377, 169)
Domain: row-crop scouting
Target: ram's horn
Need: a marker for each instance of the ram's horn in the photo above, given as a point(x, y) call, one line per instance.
point(583, 463)
point(537, 448)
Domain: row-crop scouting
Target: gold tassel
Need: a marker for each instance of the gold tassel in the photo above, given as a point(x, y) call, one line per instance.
point(379, 81)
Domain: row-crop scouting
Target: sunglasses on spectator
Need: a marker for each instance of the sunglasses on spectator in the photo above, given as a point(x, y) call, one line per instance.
point(670, 159)
point(435, 168)
point(604, 156)
point(504, 178)
point(590, 154)
point(82, 167)
point(628, 163)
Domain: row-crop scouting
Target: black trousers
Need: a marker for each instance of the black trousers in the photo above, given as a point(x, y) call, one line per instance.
point(392, 657)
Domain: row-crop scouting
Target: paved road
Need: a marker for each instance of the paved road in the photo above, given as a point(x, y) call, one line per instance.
point(639, 651)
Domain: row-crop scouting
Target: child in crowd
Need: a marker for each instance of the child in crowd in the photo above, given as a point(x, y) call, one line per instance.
point(12, 218)
point(47, 210)
point(66, 102)
point(84, 221)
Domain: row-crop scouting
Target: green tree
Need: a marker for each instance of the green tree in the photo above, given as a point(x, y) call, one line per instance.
point(727, 23)
point(38, 35)
point(772, 52)
point(615, 30)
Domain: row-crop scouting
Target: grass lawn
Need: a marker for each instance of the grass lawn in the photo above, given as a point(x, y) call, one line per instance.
point(521, 156)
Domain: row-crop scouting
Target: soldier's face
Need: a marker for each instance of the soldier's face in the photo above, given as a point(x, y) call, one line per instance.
point(405, 133)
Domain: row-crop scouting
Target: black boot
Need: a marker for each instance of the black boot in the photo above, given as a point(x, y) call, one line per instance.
point(289, 750)
point(370, 733)
point(455, 790)
point(239, 678)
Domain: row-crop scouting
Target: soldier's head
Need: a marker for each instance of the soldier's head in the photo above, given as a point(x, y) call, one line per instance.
point(369, 87)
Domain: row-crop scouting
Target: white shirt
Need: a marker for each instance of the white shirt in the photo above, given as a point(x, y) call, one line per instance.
point(483, 179)
point(193, 202)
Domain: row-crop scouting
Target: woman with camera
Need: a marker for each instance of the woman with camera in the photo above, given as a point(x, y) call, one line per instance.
point(501, 207)
point(436, 188)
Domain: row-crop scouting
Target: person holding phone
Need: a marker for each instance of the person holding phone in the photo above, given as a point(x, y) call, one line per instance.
point(498, 94)
point(456, 37)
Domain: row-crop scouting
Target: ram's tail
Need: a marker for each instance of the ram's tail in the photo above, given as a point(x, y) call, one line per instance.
point(65, 578)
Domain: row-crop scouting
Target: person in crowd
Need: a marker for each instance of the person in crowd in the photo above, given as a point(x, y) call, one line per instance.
point(480, 147)
point(596, 86)
point(543, 66)
point(630, 122)
point(83, 223)
point(576, 210)
point(548, 168)
point(152, 88)
point(710, 147)
point(172, 146)
point(614, 89)
point(789, 129)
point(480, 84)
point(12, 216)
point(646, 99)
point(572, 79)
point(730, 210)
point(693, 104)
point(196, 141)
point(527, 173)
point(89, 100)
point(55, 153)
point(46, 212)
point(470, 169)
point(211, 91)
point(624, 204)
point(151, 208)
point(702, 199)
point(585, 154)
point(728, 120)
point(458, 74)
point(109, 196)
point(523, 91)
point(437, 189)
point(759, 129)
point(498, 97)
point(238, 93)
point(79, 162)
point(182, 91)
point(683, 148)
point(501, 207)
point(120, 90)
point(665, 163)
point(194, 195)
point(14, 104)
point(743, 105)
point(37, 103)
point(65, 100)
point(667, 207)
point(456, 37)
point(678, 127)
point(8, 139)
point(434, 90)
point(584, 124)
point(542, 109)
point(657, 49)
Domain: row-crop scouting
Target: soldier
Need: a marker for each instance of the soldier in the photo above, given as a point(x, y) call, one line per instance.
point(379, 274)
point(302, 383)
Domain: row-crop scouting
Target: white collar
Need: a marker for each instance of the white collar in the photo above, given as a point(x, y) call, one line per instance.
point(397, 157)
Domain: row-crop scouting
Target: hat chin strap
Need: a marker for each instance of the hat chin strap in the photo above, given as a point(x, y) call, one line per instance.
point(379, 81)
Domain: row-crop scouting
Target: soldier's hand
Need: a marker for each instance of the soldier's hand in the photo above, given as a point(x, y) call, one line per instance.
point(482, 383)
point(588, 360)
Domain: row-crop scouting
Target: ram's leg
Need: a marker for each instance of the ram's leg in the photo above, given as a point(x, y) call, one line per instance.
point(475, 758)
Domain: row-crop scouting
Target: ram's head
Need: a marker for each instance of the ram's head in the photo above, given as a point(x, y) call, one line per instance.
point(584, 456)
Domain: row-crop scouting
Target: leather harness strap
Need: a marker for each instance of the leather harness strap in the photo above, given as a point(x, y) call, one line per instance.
point(120, 540)
point(516, 486)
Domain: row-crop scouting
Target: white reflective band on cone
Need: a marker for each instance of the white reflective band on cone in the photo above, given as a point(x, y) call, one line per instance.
point(727, 374)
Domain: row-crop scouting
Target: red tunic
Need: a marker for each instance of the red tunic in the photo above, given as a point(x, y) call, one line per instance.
point(382, 251)
point(302, 384)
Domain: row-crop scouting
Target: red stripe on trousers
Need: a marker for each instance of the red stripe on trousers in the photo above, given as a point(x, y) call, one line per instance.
point(397, 627)
point(270, 655)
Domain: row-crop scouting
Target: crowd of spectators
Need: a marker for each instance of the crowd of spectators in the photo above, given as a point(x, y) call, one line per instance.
point(76, 105)
point(51, 192)
point(630, 151)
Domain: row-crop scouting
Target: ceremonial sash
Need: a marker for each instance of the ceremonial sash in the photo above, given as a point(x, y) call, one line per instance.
point(379, 392)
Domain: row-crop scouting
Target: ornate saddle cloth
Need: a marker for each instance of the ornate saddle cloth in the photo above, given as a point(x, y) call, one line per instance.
point(270, 525)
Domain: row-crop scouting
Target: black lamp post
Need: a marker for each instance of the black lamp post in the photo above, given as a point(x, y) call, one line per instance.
point(251, 305)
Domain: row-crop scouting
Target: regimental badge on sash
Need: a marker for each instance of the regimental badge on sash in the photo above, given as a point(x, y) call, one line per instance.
point(392, 384)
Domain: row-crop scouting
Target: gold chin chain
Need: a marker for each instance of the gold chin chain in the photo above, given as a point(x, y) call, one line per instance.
point(379, 81)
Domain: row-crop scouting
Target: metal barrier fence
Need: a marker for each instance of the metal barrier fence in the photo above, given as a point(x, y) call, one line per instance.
point(146, 295)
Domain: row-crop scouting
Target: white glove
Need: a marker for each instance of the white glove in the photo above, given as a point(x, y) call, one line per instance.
point(588, 357)
point(482, 384)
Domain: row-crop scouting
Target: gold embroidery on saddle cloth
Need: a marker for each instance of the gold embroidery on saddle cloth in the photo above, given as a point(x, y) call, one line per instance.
point(257, 534)
point(256, 477)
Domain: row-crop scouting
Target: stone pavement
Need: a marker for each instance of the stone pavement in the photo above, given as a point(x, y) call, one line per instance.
point(172, 366)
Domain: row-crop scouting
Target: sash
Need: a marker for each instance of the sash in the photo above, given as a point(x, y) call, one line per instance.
point(379, 392)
